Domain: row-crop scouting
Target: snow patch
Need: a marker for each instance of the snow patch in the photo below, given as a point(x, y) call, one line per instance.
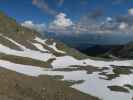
point(40, 47)
point(53, 46)
point(92, 83)
point(67, 61)
point(27, 53)
point(40, 40)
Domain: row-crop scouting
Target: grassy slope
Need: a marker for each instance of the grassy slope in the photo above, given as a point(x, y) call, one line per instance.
point(15, 86)
point(25, 60)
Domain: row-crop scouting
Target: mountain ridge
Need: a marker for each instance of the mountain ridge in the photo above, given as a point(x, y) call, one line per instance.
point(122, 51)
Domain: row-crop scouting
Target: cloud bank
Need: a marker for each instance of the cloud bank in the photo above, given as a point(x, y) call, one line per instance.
point(38, 27)
point(87, 24)
point(61, 22)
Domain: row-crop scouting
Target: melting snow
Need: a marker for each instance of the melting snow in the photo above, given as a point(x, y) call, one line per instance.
point(27, 53)
point(66, 61)
point(40, 47)
point(55, 48)
point(92, 83)
point(40, 40)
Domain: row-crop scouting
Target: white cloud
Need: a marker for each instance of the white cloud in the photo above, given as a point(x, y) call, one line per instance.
point(108, 25)
point(123, 25)
point(38, 27)
point(61, 22)
point(42, 4)
point(130, 11)
point(109, 19)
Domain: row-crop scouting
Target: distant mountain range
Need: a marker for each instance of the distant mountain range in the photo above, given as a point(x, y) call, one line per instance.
point(108, 46)
point(110, 51)
point(76, 39)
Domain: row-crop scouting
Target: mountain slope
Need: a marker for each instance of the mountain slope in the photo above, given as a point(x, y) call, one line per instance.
point(71, 73)
point(17, 39)
point(124, 51)
point(23, 46)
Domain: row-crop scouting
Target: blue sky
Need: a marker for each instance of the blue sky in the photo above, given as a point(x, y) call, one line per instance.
point(72, 12)
point(25, 10)
point(22, 10)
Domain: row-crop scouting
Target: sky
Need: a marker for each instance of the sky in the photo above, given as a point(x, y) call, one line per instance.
point(72, 16)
